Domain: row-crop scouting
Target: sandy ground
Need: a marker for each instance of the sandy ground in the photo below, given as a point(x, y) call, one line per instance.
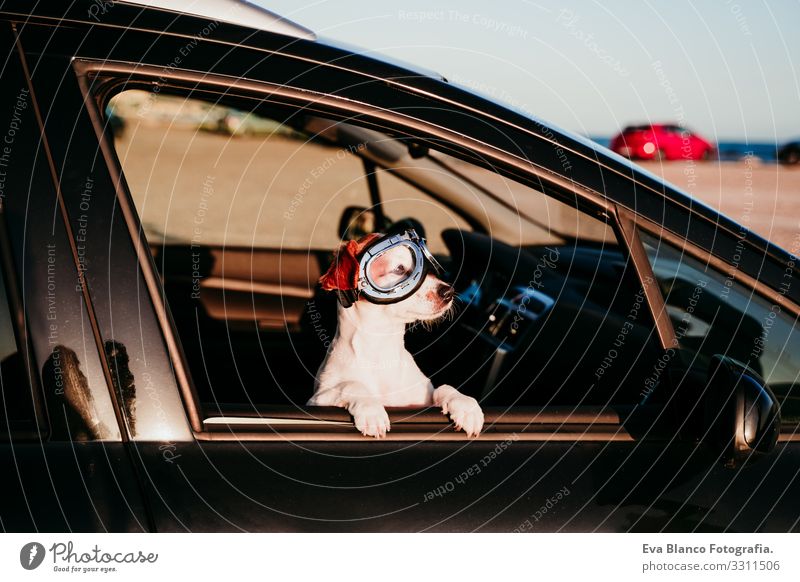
point(763, 196)
point(213, 189)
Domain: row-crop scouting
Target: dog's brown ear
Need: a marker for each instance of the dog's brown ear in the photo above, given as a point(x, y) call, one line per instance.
point(343, 272)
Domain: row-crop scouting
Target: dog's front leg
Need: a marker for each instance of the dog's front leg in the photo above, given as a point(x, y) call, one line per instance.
point(368, 413)
point(370, 418)
point(464, 411)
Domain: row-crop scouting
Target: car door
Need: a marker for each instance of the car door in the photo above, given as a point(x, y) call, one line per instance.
point(302, 469)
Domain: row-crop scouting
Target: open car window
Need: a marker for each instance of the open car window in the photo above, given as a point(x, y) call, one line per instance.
point(242, 212)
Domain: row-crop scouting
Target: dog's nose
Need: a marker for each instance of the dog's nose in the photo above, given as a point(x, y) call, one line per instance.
point(445, 292)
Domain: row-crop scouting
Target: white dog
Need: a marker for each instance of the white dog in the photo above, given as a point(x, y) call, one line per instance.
point(367, 367)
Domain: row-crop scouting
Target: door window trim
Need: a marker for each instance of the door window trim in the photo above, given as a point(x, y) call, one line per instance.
point(547, 424)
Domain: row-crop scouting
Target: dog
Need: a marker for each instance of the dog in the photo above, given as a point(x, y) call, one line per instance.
point(367, 367)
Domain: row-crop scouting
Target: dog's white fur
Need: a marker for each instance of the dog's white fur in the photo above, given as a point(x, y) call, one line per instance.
point(368, 367)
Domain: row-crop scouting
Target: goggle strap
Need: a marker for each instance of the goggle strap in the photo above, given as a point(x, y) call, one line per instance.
point(347, 297)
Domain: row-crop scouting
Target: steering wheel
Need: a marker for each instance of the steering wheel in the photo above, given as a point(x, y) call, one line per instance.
point(477, 258)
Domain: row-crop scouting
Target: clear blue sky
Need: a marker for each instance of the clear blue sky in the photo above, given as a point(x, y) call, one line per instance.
point(729, 69)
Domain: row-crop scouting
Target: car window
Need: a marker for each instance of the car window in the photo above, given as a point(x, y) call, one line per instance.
point(242, 214)
point(714, 314)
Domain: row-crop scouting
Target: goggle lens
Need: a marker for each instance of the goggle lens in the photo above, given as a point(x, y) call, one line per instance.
point(392, 267)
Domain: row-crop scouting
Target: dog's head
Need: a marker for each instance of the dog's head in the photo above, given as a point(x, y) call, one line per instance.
point(430, 301)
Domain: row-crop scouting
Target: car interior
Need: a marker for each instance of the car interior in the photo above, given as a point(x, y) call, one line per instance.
point(242, 219)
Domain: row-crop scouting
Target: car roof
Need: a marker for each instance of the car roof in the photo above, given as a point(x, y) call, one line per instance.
point(239, 12)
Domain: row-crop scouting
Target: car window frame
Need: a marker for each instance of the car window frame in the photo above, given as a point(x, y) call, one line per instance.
point(99, 80)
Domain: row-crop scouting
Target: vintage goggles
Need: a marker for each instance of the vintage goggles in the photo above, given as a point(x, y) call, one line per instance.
point(393, 267)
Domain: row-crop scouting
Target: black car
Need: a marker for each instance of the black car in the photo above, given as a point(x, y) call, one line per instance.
point(635, 352)
point(789, 153)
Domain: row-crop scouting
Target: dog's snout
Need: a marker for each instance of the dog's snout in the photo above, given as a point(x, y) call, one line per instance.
point(445, 292)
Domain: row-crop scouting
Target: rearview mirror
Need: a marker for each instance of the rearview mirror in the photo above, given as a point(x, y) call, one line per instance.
point(742, 414)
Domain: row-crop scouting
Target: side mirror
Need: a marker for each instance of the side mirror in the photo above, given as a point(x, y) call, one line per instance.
point(742, 414)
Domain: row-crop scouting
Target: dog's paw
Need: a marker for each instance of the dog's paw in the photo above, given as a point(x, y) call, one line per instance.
point(465, 412)
point(371, 420)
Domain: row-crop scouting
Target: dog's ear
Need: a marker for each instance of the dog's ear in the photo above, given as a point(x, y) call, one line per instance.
point(343, 272)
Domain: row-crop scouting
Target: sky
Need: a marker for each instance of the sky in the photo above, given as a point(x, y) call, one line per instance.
point(729, 69)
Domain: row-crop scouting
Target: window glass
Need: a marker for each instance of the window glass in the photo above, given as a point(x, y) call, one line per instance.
point(715, 314)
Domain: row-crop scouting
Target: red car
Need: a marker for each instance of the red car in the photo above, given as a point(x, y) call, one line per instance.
point(661, 142)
